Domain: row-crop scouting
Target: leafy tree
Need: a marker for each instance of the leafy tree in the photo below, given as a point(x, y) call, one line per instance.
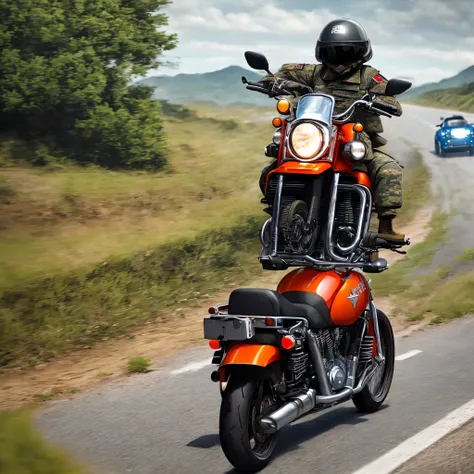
point(65, 69)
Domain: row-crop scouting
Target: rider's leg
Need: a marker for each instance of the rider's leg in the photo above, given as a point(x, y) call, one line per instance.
point(386, 176)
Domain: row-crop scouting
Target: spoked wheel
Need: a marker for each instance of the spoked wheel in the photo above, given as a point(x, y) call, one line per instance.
point(375, 392)
point(298, 235)
point(243, 403)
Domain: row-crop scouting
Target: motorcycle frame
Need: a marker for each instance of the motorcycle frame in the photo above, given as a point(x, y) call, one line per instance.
point(336, 260)
point(326, 397)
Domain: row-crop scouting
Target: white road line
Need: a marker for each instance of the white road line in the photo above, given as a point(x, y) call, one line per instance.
point(192, 367)
point(409, 354)
point(398, 456)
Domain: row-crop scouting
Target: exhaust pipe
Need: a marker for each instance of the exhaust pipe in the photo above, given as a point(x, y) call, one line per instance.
point(308, 401)
point(288, 412)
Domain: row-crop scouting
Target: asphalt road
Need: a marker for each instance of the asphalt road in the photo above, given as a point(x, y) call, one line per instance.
point(167, 421)
point(452, 177)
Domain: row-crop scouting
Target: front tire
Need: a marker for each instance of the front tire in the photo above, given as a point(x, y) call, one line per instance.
point(243, 403)
point(375, 392)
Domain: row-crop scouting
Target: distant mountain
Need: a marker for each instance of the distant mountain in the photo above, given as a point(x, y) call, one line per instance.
point(461, 98)
point(223, 86)
point(464, 77)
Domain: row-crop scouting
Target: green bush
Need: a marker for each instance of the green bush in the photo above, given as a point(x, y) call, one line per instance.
point(65, 75)
point(24, 451)
point(138, 365)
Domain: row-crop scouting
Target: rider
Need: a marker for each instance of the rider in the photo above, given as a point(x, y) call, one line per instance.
point(343, 47)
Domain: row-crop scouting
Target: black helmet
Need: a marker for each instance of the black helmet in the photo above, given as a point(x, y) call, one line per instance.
point(343, 45)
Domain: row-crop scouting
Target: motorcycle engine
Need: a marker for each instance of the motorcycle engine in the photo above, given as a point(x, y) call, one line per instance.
point(335, 364)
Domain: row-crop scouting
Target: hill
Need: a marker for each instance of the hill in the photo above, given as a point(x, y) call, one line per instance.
point(460, 98)
point(223, 87)
point(464, 77)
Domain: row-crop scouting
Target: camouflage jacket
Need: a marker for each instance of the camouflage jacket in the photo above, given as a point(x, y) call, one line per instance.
point(345, 91)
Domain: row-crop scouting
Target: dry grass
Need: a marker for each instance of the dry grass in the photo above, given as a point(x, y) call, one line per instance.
point(76, 217)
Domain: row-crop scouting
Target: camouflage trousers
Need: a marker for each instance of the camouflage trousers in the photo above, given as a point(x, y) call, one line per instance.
point(385, 174)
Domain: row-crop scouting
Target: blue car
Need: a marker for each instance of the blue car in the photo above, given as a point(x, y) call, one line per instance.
point(455, 134)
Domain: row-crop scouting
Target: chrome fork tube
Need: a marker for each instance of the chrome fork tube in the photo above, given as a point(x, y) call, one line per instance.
point(276, 215)
point(380, 355)
point(331, 218)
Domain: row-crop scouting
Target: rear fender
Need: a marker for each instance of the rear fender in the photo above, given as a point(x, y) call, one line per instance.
point(259, 355)
point(251, 361)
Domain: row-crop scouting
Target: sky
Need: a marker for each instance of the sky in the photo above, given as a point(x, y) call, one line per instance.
point(419, 40)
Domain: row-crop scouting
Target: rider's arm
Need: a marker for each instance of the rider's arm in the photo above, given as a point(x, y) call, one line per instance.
point(378, 85)
point(293, 75)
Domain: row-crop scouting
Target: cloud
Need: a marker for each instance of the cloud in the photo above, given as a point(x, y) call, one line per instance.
point(410, 37)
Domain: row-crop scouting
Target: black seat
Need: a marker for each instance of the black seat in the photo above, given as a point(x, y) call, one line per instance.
point(259, 302)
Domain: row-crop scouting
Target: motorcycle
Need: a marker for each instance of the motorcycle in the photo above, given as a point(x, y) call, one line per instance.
point(318, 340)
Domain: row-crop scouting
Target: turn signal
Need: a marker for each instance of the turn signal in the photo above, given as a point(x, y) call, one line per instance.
point(269, 322)
point(358, 127)
point(283, 106)
point(215, 345)
point(288, 342)
point(276, 122)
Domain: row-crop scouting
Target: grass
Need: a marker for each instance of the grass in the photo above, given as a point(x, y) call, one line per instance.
point(399, 279)
point(75, 218)
point(87, 254)
point(461, 98)
point(466, 257)
point(24, 451)
point(57, 314)
point(138, 365)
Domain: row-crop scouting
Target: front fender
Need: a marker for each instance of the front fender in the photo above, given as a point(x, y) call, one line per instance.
point(251, 354)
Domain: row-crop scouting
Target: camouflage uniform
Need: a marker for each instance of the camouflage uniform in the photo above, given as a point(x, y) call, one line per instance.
point(384, 171)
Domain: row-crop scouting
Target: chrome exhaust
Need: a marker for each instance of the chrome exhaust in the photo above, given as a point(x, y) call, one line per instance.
point(288, 412)
point(306, 402)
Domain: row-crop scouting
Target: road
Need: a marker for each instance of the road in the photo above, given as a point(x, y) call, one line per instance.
point(167, 421)
point(452, 177)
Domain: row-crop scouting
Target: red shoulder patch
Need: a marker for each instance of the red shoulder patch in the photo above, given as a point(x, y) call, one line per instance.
point(378, 78)
point(299, 66)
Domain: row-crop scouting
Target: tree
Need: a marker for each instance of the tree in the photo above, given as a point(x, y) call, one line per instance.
point(65, 69)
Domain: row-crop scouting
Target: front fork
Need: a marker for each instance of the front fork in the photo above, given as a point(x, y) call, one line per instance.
point(380, 357)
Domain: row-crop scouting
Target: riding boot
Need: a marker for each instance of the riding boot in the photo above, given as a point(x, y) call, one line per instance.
point(386, 231)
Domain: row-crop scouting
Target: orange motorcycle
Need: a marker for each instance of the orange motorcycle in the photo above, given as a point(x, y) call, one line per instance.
point(318, 340)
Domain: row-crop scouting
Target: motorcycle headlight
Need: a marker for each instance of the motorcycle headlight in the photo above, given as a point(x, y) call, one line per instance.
point(277, 137)
point(306, 140)
point(356, 150)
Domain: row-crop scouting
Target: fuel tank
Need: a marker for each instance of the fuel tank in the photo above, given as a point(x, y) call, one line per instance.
point(346, 293)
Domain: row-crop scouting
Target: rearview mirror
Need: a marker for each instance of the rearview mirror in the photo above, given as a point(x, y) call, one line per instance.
point(397, 86)
point(257, 61)
point(438, 125)
point(441, 118)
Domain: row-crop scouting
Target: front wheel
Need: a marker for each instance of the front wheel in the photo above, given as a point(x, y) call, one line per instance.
point(375, 392)
point(243, 403)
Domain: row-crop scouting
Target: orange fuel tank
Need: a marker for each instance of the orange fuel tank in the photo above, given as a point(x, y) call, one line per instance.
point(345, 293)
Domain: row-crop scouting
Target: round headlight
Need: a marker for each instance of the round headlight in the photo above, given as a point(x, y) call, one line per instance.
point(277, 137)
point(306, 141)
point(357, 150)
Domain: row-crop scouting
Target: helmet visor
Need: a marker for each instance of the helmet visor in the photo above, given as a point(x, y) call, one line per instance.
point(341, 55)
